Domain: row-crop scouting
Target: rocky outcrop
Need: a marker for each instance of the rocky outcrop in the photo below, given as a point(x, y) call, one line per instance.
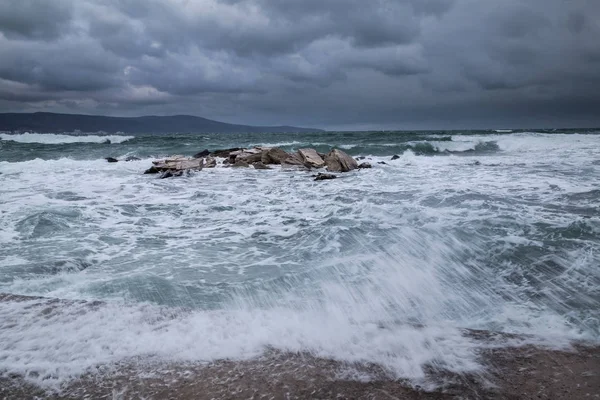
point(311, 158)
point(364, 165)
point(338, 161)
point(259, 158)
point(111, 159)
point(274, 155)
point(395, 157)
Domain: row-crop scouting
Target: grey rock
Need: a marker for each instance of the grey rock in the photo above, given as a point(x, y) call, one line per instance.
point(395, 157)
point(111, 159)
point(241, 164)
point(171, 174)
point(132, 158)
point(249, 157)
point(323, 177)
point(311, 158)
point(211, 162)
point(177, 163)
point(293, 160)
point(365, 165)
point(382, 162)
point(338, 161)
point(224, 153)
point(202, 154)
point(274, 155)
point(260, 165)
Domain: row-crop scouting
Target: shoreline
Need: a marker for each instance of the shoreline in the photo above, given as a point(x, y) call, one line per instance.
point(511, 373)
point(513, 368)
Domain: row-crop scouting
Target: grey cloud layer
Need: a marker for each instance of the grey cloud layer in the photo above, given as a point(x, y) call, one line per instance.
point(336, 63)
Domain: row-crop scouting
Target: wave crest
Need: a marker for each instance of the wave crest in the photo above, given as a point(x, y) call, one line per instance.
point(53, 138)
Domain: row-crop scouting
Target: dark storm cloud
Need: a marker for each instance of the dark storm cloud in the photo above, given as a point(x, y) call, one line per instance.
point(32, 19)
point(330, 63)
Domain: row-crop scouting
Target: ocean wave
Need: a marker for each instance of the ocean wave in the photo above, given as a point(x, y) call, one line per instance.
point(54, 138)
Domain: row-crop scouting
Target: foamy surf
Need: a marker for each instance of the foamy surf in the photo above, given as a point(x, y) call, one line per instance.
point(385, 267)
point(51, 138)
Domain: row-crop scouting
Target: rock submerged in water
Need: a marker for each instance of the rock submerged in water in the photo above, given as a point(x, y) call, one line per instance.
point(338, 161)
point(111, 159)
point(132, 158)
point(323, 177)
point(364, 165)
point(395, 157)
point(171, 174)
point(260, 165)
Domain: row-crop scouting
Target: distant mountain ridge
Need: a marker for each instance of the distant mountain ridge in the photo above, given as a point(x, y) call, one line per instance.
point(52, 122)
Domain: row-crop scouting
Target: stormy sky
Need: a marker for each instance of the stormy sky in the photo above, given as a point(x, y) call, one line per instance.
point(333, 64)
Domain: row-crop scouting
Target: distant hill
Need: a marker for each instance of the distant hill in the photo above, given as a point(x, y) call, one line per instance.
point(51, 122)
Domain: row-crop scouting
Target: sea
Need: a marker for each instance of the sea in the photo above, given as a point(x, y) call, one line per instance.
point(448, 231)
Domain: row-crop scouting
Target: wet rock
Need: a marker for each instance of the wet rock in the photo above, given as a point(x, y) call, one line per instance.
point(111, 159)
point(395, 157)
point(365, 165)
point(382, 162)
point(322, 177)
point(241, 164)
point(203, 153)
point(224, 153)
point(226, 162)
point(274, 155)
point(293, 160)
point(477, 162)
point(132, 158)
point(260, 165)
point(152, 170)
point(360, 158)
point(338, 161)
point(179, 164)
point(170, 174)
point(107, 141)
point(211, 162)
point(311, 158)
point(250, 156)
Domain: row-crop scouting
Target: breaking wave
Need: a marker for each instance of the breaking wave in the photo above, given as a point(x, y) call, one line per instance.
point(53, 138)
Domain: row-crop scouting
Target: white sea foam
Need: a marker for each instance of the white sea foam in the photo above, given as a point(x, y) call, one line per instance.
point(382, 265)
point(51, 138)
